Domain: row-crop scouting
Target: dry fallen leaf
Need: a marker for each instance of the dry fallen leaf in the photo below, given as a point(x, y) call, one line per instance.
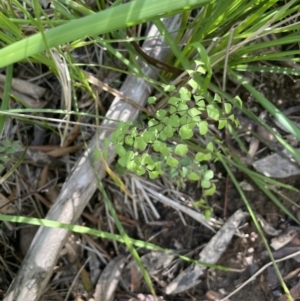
point(214, 296)
point(283, 239)
point(268, 229)
point(276, 166)
point(211, 253)
point(109, 279)
point(246, 186)
point(6, 206)
point(24, 87)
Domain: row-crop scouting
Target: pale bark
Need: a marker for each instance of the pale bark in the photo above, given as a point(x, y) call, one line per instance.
point(37, 267)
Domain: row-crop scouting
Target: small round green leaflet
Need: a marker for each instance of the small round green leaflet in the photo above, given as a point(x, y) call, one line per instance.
point(129, 140)
point(213, 112)
point(136, 168)
point(205, 184)
point(211, 190)
point(200, 103)
point(184, 120)
point(185, 94)
point(222, 124)
point(208, 212)
point(172, 162)
point(202, 157)
point(120, 150)
point(194, 112)
point(182, 108)
point(227, 107)
point(107, 143)
point(185, 132)
point(208, 175)
point(174, 121)
point(174, 100)
point(217, 98)
point(203, 127)
point(169, 131)
point(146, 159)
point(169, 88)
point(186, 161)
point(154, 174)
point(210, 146)
point(181, 149)
point(161, 114)
point(123, 161)
point(194, 176)
point(196, 118)
point(152, 122)
point(157, 145)
point(116, 137)
point(164, 150)
point(151, 100)
point(173, 110)
point(166, 121)
point(163, 136)
point(149, 136)
point(140, 144)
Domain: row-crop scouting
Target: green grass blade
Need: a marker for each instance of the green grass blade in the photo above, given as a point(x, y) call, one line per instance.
point(264, 69)
point(6, 95)
point(103, 22)
point(100, 234)
point(6, 24)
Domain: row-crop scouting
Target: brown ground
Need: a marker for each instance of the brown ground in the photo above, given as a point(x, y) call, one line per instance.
point(245, 254)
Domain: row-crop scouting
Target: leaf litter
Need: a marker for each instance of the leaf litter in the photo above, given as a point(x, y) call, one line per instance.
point(155, 200)
point(183, 228)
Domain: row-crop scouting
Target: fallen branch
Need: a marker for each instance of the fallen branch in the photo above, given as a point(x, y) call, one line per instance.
point(37, 267)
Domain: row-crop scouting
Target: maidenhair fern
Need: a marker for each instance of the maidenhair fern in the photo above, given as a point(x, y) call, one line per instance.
point(164, 145)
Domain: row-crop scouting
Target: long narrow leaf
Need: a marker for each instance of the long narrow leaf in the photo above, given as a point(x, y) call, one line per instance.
point(105, 21)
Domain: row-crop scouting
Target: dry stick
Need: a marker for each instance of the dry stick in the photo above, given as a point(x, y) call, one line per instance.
point(37, 267)
point(258, 273)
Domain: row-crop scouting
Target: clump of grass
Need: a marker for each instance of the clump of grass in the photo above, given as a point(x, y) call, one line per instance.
point(226, 37)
